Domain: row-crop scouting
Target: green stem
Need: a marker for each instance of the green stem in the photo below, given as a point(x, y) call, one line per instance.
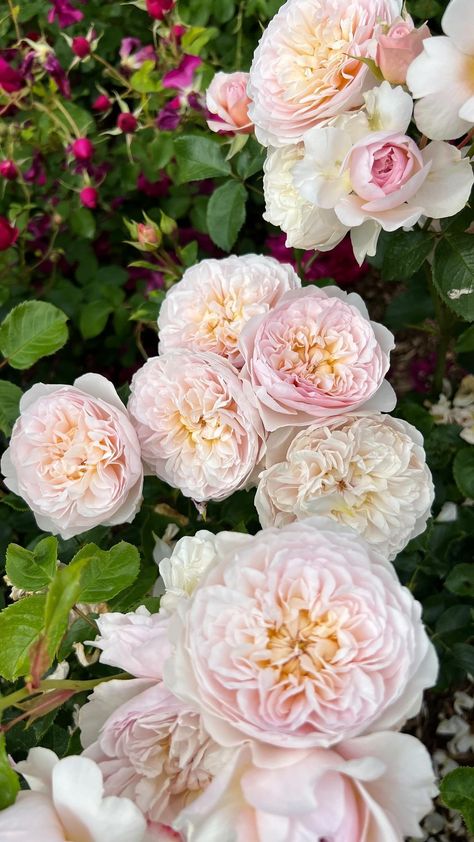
point(13, 699)
point(443, 322)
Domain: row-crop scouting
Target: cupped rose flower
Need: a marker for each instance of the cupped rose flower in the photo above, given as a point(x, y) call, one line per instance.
point(316, 354)
point(306, 68)
point(208, 308)
point(74, 457)
point(370, 789)
point(135, 642)
point(184, 568)
point(66, 803)
point(198, 430)
point(227, 98)
point(300, 637)
point(149, 747)
point(399, 47)
point(366, 470)
point(442, 77)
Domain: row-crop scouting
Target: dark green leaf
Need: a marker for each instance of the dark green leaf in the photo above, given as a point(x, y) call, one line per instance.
point(82, 223)
point(453, 273)
point(108, 572)
point(250, 160)
point(199, 158)
point(32, 330)
point(10, 395)
point(461, 580)
point(20, 626)
point(405, 253)
point(463, 471)
point(32, 571)
point(457, 792)
point(133, 597)
point(465, 342)
point(9, 781)
point(463, 654)
point(93, 318)
point(226, 213)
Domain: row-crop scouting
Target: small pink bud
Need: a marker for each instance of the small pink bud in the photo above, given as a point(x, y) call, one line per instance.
point(8, 234)
point(127, 123)
point(398, 48)
point(89, 197)
point(157, 9)
point(102, 103)
point(147, 235)
point(81, 46)
point(8, 170)
point(83, 149)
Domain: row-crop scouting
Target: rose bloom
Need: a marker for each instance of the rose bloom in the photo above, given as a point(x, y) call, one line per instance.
point(365, 470)
point(182, 571)
point(442, 77)
point(149, 747)
point(208, 308)
point(398, 47)
point(74, 457)
point(300, 637)
point(135, 642)
point(65, 803)
point(197, 429)
point(314, 355)
point(227, 98)
point(370, 789)
point(306, 67)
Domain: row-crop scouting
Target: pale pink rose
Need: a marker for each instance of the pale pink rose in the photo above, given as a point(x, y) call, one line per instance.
point(66, 803)
point(300, 637)
point(74, 457)
point(208, 308)
point(370, 789)
point(198, 430)
point(150, 747)
point(306, 68)
point(398, 47)
point(134, 642)
point(314, 355)
point(366, 470)
point(227, 98)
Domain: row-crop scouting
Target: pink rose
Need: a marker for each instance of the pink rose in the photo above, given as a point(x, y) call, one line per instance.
point(370, 789)
point(300, 637)
point(198, 430)
point(399, 47)
point(227, 98)
point(134, 642)
point(74, 457)
point(306, 68)
point(315, 354)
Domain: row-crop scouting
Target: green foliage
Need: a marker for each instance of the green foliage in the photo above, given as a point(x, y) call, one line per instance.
point(199, 157)
point(32, 330)
point(453, 273)
point(226, 213)
point(107, 572)
point(32, 570)
point(20, 626)
point(9, 781)
point(457, 792)
point(10, 395)
point(405, 253)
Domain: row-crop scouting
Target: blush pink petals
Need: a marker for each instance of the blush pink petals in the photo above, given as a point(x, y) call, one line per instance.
point(370, 789)
point(198, 430)
point(299, 638)
point(227, 99)
point(306, 68)
point(74, 457)
point(208, 308)
point(398, 48)
point(135, 642)
point(316, 354)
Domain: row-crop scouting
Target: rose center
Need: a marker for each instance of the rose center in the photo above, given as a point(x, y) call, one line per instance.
point(300, 645)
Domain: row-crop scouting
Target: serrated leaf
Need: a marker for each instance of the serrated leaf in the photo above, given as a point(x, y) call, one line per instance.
point(20, 626)
point(63, 593)
point(108, 572)
point(9, 781)
point(32, 330)
point(251, 159)
point(198, 158)
point(457, 792)
point(10, 395)
point(453, 273)
point(226, 213)
point(133, 597)
point(32, 570)
point(405, 253)
point(463, 471)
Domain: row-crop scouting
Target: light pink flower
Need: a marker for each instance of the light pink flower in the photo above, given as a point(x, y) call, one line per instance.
point(314, 355)
point(398, 47)
point(135, 642)
point(74, 457)
point(66, 803)
point(370, 789)
point(306, 68)
point(227, 98)
point(198, 430)
point(207, 309)
point(300, 637)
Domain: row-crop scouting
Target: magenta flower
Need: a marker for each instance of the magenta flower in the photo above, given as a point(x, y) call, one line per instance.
point(80, 46)
point(89, 197)
point(64, 13)
point(133, 54)
point(154, 189)
point(82, 149)
point(11, 80)
point(53, 67)
point(157, 9)
point(102, 103)
point(182, 77)
point(8, 234)
point(8, 170)
point(169, 117)
point(36, 174)
point(127, 123)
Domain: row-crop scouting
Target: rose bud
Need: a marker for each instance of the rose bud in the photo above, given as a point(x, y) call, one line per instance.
point(102, 103)
point(8, 170)
point(228, 103)
point(157, 9)
point(127, 123)
point(82, 149)
point(81, 46)
point(89, 197)
point(398, 48)
point(148, 234)
point(8, 234)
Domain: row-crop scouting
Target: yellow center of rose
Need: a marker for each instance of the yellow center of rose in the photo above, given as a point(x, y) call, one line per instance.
point(73, 454)
point(301, 645)
point(314, 356)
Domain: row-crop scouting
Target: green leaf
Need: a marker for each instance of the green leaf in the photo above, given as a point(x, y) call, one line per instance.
point(63, 593)
point(9, 780)
point(10, 395)
point(457, 792)
point(465, 342)
point(108, 572)
point(463, 654)
point(405, 253)
point(195, 38)
point(463, 471)
point(461, 580)
point(93, 318)
point(20, 626)
point(226, 213)
point(133, 597)
point(453, 273)
point(145, 80)
point(82, 223)
point(32, 330)
point(250, 159)
point(32, 570)
point(199, 158)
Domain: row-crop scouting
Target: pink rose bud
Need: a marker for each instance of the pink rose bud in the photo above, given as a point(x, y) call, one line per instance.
point(127, 123)
point(8, 234)
point(147, 235)
point(157, 9)
point(80, 46)
point(227, 99)
point(82, 149)
point(89, 197)
point(102, 103)
point(8, 170)
point(398, 48)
